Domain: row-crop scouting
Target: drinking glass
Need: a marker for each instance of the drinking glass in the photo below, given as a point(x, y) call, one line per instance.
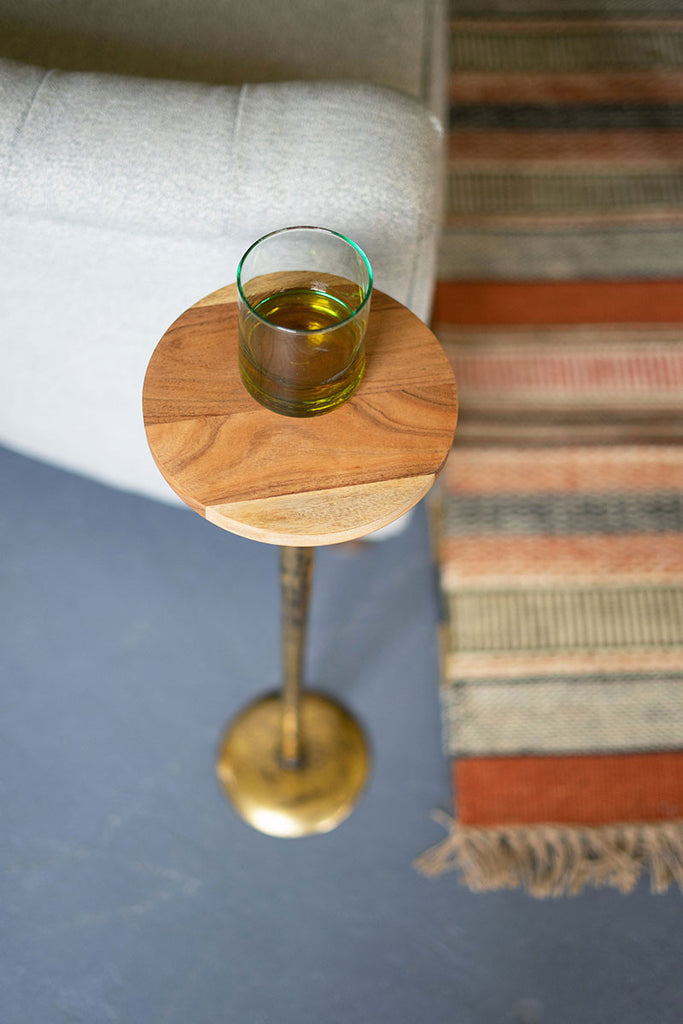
point(303, 306)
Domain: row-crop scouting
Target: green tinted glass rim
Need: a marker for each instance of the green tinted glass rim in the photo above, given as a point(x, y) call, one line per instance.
point(326, 231)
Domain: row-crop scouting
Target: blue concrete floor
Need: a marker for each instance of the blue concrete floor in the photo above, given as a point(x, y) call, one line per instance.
point(130, 632)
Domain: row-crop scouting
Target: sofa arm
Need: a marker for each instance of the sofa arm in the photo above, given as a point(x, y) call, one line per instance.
point(124, 200)
point(187, 159)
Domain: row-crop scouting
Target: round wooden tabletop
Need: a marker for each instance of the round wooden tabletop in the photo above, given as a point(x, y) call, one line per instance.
point(291, 481)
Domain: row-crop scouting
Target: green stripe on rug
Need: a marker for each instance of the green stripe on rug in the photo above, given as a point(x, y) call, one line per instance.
point(506, 192)
point(565, 618)
point(594, 714)
point(553, 514)
point(615, 47)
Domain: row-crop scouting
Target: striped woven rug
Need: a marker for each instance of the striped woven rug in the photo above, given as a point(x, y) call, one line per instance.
point(559, 525)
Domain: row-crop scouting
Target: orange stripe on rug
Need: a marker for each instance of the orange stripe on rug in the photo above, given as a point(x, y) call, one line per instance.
point(528, 28)
point(566, 87)
point(522, 665)
point(635, 148)
point(573, 789)
point(558, 302)
point(504, 368)
point(568, 470)
point(509, 559)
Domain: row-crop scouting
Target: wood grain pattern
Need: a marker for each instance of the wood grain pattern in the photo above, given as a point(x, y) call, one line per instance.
point(298, 481)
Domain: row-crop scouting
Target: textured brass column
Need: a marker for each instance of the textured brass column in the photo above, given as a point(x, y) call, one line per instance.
point(296, 570)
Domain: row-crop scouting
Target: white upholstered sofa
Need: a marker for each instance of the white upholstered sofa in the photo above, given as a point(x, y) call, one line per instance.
point(144, 145)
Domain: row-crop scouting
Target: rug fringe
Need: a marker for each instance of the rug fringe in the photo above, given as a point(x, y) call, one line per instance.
point(558, 860)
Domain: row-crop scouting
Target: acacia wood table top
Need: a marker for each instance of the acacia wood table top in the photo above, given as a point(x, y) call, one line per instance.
point(298, 481)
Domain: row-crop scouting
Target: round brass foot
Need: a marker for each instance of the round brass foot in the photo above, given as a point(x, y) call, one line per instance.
point(317, 794)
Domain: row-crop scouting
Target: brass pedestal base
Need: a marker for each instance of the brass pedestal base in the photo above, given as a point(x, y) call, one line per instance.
point(313, 796)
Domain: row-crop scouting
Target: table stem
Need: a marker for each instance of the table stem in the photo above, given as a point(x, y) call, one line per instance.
point(296, 571)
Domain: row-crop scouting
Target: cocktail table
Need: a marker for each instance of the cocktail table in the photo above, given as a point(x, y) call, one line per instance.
point(294, 763)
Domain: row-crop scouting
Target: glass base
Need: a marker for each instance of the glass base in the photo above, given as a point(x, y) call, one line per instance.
point(320, 400)
point(313, 797)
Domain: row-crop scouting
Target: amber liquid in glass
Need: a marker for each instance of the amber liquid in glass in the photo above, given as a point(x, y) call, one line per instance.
point(312, 365)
